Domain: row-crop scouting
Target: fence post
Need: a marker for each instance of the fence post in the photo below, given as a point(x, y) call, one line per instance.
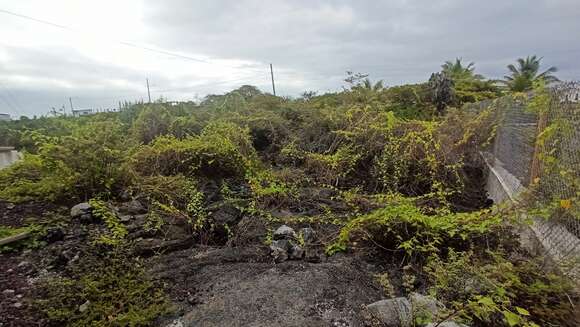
point(536, 167)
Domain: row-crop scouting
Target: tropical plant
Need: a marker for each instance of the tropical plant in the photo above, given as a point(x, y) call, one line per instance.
point(457, 71)
point(523, 76)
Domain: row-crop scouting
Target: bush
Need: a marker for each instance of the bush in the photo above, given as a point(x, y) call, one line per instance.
point(78, 166)
point(269, 189)
point(419, 158)
point(222, 150)
point(116, 230)
point(332, 169)
point(32, 179)
point(492, 290)
point(405, 228)
point(152, 121)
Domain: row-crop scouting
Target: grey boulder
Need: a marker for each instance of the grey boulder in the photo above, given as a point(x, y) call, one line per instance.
point(132, 207)
point(284, 233)
point(401, 311)
point(447, 324)
point(393, 312)
point(308, 235)
point(296, 252)
point(80, 209)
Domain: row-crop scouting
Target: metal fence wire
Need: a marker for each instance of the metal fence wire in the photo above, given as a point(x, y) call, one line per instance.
point(557, 176)
point(539, 150)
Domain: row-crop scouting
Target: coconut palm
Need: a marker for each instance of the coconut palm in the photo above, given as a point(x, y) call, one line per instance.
point(457, 71)
point(523, 76)
point(368, 85)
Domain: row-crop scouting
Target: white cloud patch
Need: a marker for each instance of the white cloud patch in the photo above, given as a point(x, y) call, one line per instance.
point(226, 43)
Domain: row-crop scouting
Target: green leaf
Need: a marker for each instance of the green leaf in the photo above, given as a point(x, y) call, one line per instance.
point(487, 301)
point(522, 311)
point(511, 318)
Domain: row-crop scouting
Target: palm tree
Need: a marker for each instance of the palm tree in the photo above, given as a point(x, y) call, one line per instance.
point(368, 85)
point(456, 71)
point(523, 76)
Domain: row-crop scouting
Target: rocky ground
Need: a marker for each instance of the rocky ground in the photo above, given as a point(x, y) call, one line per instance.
point(238, 287)
point(268, 272)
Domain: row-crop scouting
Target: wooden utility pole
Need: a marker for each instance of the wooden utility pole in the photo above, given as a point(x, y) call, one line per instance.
point(273, 85)
point(148, 92)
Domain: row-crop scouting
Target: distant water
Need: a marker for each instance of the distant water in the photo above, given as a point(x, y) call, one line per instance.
point(8, 157)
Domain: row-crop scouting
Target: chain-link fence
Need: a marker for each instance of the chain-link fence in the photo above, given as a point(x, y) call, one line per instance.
point(537, 147)
point(556, 173)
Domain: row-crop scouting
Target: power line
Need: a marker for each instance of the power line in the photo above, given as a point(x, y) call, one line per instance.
point(125, 43)
point(11, 97)
point(137, 94)
point(11, 107)
point(34, 19)
point(129, 44)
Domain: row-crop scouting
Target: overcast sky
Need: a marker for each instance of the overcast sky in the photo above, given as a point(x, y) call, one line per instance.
point(101, 52)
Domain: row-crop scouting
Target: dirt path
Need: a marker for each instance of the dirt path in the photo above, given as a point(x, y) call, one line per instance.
point(241, 287)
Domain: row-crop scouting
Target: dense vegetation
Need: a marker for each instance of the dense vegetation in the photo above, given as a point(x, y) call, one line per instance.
point(403, 159)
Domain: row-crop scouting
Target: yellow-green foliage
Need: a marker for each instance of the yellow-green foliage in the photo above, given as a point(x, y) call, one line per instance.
point(168, 190)
point(385, 282)
point(176, 197)
point(221, 150)
point(498, 292)
point(116, 229)
point(401, 225)
point(32, 179)
point(85, 163)
point(332, 168)
point(152, 121)
point(94, 152)
point(238, 136)
point(424, 157)
point(196, 209)
point(554, 193)
point(269, 189)
point(116, 292)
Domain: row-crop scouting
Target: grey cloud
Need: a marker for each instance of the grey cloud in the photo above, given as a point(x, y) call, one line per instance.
point(403, 39)
point(312, 44)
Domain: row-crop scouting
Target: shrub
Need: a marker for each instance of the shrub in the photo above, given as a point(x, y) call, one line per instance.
point(424, 157)
point(32, 179)
point(86, 163)
point(168, 190)
point(152, 121)
point(95, 152)
point(182, 127)
point(269, 189)
point(333, 168)
point(221, 150)
point(495, 291)
point(403, 227)
point(116, 230)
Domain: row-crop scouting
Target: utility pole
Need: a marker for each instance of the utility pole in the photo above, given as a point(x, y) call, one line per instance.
point(273, 85)
point(71, 106)
point(148, 92)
